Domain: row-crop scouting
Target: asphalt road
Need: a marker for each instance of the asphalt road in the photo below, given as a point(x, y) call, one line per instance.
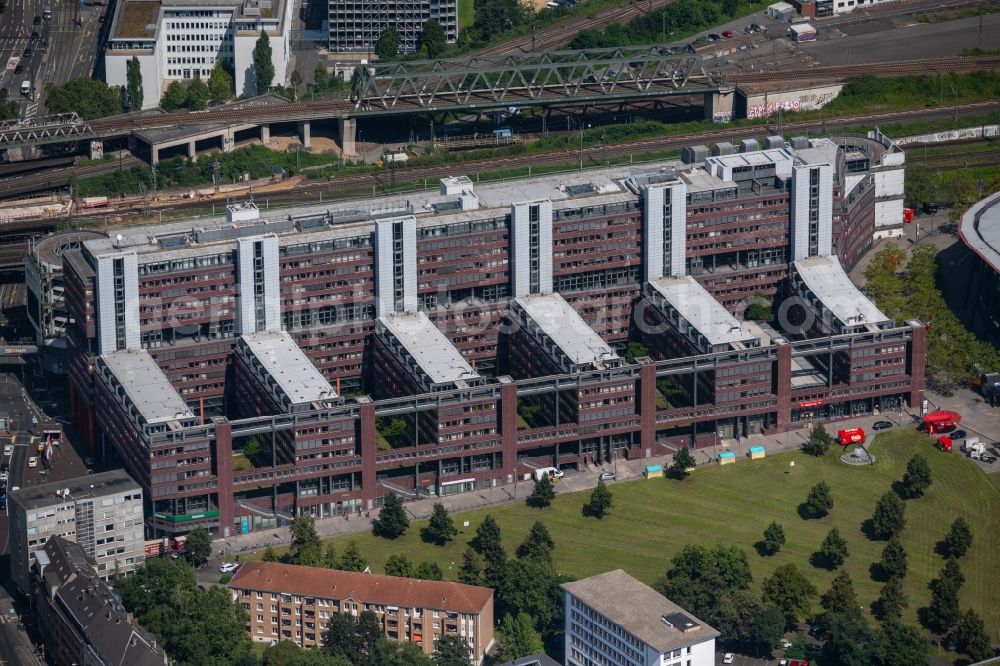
point(885, 40)
point(63, 49)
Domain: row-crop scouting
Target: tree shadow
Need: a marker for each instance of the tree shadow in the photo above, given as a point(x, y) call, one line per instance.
point(821, 561)
point(878, 573)
point(762, 549)
point(900, 490)
point(868, 529)
point(941, 548)
point(806, 512)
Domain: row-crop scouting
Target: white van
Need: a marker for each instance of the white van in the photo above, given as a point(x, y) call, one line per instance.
point(970, 444)
point(26, 88)
point(548, 472)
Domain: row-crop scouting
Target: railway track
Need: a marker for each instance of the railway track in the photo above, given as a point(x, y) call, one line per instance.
point(927, 66)
point(351, 185)
point(58, 178)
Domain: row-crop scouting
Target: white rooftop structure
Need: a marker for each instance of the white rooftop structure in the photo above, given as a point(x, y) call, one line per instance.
point(282, 362)
point(980, 229)
point(698, 315)
point(563, 333)
point(146, 387)
point(729, 167)
point(840, 306)
point(425, 350)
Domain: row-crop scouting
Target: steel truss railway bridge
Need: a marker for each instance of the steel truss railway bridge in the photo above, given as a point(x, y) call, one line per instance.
point(474, 83)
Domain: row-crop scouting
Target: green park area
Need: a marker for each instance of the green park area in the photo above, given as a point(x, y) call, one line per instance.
point(732, 505)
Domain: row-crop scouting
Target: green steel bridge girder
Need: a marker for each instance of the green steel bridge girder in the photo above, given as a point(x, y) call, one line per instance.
point(519, 80)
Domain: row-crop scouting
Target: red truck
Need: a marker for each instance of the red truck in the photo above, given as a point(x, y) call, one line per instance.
point(944, 443)
point(851, 436)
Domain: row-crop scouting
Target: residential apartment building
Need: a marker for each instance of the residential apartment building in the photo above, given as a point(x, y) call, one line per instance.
point(286, 602)
point(454, 340)
point(355, 25)
point(81, 620)
point(101, 512)
point(179, 40)
point(614, 620)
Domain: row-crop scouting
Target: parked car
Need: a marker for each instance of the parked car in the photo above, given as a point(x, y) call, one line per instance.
point(4, 467)
point(930, 207)
point(19, 68)
point(957, 434)
point(88, 461)
point(26, 53)
point(228, 567)
point(881, 425)
point(989, 460)
point(37, 20)
point(8, 449)
point(728, 34)
point(713, 37)
point(728, 658)
point(785, 643)
point(33, 461)
point(608, 476)
point(34, 34)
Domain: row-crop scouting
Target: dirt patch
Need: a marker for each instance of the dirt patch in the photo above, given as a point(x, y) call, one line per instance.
point(320, 144)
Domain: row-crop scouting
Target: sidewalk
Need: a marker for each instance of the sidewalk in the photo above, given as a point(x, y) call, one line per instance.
point(574, 481)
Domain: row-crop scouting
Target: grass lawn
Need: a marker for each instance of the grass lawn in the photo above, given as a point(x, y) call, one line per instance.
point(466, 14)
point(241, 463)
point(652, 519)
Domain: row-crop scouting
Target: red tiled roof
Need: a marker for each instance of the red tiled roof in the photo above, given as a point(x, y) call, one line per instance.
point(361, 587)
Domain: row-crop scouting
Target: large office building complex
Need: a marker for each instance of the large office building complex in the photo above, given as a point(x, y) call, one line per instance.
point(286, 602)
point(181, 40)
point(614, 620)
point(101, 512)
point(355, 25)
point(252, 368)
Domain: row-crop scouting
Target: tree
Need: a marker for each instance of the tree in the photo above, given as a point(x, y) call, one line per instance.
point(889, 517)
point(819, 441)
point(8, 110)
point(433, 41)
point(600, 501)
point(305, 547)
point(971, 637)
point(902, 645)
point(88, 97)
point(523, 586)
point(841, 595)
point(699, 576)
point(263, 65)
point(199, 545)
point(174, 97)
point(851, 641)
point(891, 600)
point(392, 520)
point(387, 45)
point(451, 650)
point(352, 560)
point(198, 94)
point(494, 17)
point(917, 478)
point(758, 312)
point(942, 612)
point(330, 557)
point(683, 461)
point(766, 629)
point(133, 74)
point(537, 545)
point(893, 562)
point(429, 571)
point(440, 529)
point(774, 538)
point(818, 502)
point(400, 565)
point(833, 550)
point(471, 571)
point(959, 538)
point(194, 626)
point(269, 555)
point(287, 653)
point(487, 543)
point(542, 494)
point(517, 638)
point(295, 79)
point(220, 85)
point(790, 592)
point(355, 639)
